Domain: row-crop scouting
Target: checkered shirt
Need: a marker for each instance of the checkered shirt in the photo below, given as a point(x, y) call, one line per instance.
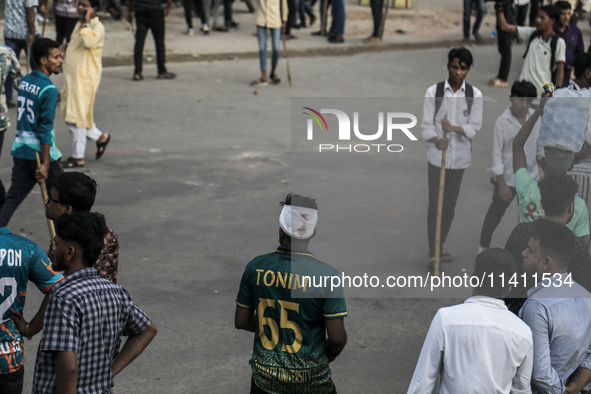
point(86, 315)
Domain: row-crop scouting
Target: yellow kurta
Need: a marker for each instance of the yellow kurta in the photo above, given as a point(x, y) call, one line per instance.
point(82, 73)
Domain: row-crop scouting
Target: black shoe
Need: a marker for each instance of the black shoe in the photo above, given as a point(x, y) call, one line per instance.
point(312, 19)
point(232, 24)
point(220, 28)
point(336, 39)
point(10, 104)
point(318, 33)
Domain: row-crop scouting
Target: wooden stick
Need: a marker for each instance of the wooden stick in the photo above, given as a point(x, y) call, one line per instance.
point(287, 60)
point(383, 21)
point(45, 199)
point(439, 210)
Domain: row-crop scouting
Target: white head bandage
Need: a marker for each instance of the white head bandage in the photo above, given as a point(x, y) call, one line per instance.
point(298, 222)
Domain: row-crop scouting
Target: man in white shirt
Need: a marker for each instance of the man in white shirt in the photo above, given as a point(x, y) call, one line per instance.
point(452, 114)
point(540, 65)
point(478, 346)
point(506, 127)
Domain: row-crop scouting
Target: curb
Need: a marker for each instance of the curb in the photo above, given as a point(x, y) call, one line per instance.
point(127, 60)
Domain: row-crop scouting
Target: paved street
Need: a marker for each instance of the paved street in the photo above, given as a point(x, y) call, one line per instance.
point(191, 183)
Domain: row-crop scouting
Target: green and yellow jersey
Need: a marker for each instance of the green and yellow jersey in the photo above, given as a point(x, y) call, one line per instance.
point(289, 353)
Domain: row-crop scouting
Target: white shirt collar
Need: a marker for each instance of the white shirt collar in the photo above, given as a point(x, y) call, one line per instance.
point(487, 301)
point(448, 86)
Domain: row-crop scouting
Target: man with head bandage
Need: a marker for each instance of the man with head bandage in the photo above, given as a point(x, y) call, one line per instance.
point(299, 329)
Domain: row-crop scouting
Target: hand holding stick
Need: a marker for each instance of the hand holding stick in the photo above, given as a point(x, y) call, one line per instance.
point(45, 199)
point(440, 207)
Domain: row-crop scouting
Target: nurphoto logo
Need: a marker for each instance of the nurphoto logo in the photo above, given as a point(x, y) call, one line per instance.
point(395, 122)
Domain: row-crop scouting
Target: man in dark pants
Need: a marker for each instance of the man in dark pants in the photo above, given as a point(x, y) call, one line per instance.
point(149, 15)
point(450, 127)
point(504, 46)
point(200, 8)
point(37, 98)
point(377, 7)
point(533, 13)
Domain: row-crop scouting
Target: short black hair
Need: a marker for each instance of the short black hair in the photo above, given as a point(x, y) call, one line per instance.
point(555, 240)
point(524, 88)
point(498, 262)
point(87, 230)
point(563, 5)
point(42, 47)
point(581, 63)
point(95, 4)
point(463, 55)
point(299, 201)
point(2, 195)
point(75, 189)
point(552, 11)
point(557, 193)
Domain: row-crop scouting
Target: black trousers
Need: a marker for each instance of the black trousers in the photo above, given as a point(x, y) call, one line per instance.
point(2, 133)
point(377, 7)
point(64, 28)
point(292, 9)
point(520, 12)
point(255, 390)
point(22, 181)
point(493, 216)
point(504, 44)
point(453, 181)
point(533, 13)
point(199, 7)
point(12, 383)
point(149, 20)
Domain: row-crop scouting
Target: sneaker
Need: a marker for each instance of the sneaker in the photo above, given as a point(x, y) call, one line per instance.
point(205, 29)
point(190, 32)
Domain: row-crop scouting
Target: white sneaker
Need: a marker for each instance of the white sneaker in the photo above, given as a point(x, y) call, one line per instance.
point(190, 32)
point(481, 249)
point(205, 29)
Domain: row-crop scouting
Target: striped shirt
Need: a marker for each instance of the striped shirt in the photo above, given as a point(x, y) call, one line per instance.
point(559, 316)
point(86, 315)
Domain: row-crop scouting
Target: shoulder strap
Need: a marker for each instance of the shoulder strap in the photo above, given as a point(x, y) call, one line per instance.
point(438, 97)
point(531, 38)
point(469, 96)
point(553, 45)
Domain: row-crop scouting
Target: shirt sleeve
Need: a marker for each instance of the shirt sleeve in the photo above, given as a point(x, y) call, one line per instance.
point(560, 53)
point(94, 36)
point(544, 375)
point(244, 297)
point(31, 3)
point(523, 183)
point(525, 32)
point(41, 272)
point(497, 150)
point(431, 359)
point(428, 125)
point(108, 261)
point(587, 361)
point(522, 380)
point(15, 67)
point(333, 306)
point(580, 226)
point(61, 330)
point(48, 99)
point(137, 320)
point(475, 120)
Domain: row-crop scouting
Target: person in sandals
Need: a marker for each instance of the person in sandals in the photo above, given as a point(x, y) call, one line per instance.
point(271, 16)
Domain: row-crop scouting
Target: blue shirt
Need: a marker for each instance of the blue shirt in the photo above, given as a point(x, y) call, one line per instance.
point(21, 260)
point(560, 319)
point(37, 98)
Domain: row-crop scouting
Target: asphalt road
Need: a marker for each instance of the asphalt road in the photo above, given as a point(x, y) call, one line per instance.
point(191, 183)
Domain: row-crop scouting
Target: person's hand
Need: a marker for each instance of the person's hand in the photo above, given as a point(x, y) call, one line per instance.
point(41, 173)
point(442, 143)
point(20, 323)
point(505, 194)
point(129, 17)
point(284, 24)
point(30, 39)
point(43, 10)
point(445, 125)
point(87, 17)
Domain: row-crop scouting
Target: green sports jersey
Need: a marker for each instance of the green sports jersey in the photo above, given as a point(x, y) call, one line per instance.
point(289, 353)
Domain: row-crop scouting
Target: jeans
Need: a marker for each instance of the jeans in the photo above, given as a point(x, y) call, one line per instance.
point(276, 43)
point(17, 46)
point(22, 182)
point(12, 383)
point(64, 28)
point(480, 11)
point(338, 17)
point(504, 44)
point(377, 7)
point(200, 6)
point(453, 181)
point(493, 216)
point(303, 10)
point(149, 20)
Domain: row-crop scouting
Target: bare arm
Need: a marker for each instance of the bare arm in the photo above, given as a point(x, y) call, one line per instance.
point(578, 380)
point(133, 347)
point(519, 160)
point(36, 324)
point(559, 74)
point(41, 173)
point(337, 337)
point(66, 373)
point(30, 16)
point(245, 319)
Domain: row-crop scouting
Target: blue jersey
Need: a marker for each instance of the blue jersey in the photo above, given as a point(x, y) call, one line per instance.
point(37, 98)
point(21, 260)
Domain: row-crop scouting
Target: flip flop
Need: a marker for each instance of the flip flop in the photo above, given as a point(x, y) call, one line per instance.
point(166, 75)
point(138, 77)
point(259, 82)
point(72, 163)
point(103, 145)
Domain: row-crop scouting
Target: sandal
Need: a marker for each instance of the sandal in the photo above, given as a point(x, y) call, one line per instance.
point(138, 77)
point(497, 83)
point(101, 147)
point(275, 79)
point(73, 163)
point(259, 82)
point(167, 76)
